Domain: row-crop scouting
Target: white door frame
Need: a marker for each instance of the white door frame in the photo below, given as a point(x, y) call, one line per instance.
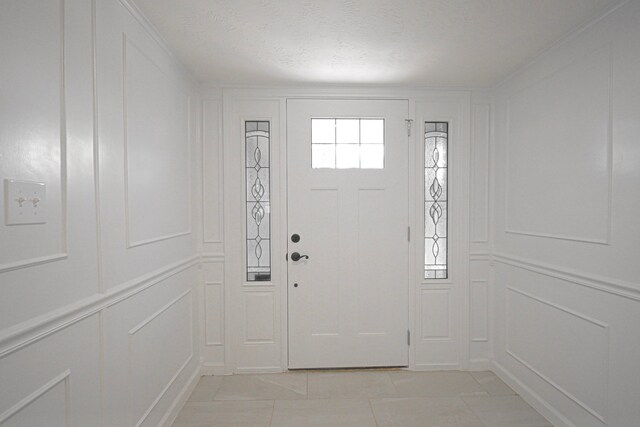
point(256, 103)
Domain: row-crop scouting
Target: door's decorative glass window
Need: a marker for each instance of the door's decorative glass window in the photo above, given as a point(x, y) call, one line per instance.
point(258, 198)
point(347, 143)
point(436, 135)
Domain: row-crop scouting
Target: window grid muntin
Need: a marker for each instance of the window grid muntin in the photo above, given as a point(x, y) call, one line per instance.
point(335, 145)
point(436, 138)
point(258, 200)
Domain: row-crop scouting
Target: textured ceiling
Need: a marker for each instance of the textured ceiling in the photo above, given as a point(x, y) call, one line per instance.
point(454, 43)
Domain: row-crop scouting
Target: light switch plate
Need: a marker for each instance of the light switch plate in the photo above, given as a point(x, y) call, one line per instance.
point(25, 202)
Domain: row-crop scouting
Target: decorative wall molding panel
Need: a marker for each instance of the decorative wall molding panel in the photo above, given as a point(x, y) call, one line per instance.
point(479, 311)
point(52, 399)
point(480, 159)
point(44, 100)
point(212, 171)
point(150, 382)
point(535, 325)
point(156, 120)
point(214, 313)
point(22, 335)
point(559, 166)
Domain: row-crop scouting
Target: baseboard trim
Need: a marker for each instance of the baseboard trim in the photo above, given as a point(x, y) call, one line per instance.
point(180, 400)
point(480, 365)
point(435, 367)
point(212, 369)
point(532, 398)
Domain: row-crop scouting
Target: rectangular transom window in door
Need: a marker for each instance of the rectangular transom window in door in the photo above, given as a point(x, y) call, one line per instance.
point(347, 143)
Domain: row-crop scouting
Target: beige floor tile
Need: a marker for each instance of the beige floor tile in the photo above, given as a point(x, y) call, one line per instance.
point(424, 412)
point(226, 414)
point(435, 384)
point(335, 385)
point(323, 412)
point(492, 384)
point(505, 411)
point(264, 386)
point(206, 389)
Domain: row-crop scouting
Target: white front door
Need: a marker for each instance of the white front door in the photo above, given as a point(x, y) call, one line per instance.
point(347, 180)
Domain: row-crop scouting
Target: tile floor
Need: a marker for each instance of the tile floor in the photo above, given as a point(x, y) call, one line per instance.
point(357, 398)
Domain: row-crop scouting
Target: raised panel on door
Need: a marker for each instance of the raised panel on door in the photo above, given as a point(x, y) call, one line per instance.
point(348, 303)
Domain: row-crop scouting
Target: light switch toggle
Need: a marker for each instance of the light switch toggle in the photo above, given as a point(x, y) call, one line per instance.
point(25, 202)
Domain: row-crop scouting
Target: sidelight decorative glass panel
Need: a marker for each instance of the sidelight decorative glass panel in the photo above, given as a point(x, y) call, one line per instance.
point(436, 136)
point(347, 143)
point(258, 200)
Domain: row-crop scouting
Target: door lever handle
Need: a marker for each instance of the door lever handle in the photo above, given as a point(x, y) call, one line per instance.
point(297, 257)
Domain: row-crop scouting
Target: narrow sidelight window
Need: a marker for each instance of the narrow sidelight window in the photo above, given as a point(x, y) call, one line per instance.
point(258, 200)
point(436, 138)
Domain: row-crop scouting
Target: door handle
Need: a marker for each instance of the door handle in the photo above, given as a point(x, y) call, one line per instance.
point(297, 257)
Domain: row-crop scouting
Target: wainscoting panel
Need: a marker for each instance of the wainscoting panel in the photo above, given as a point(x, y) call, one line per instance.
point(50, 405)
point(259, 315)
point(213, 172)
point(149, 381)
point(214, 313)
point(436, 342)
point(156, 118)
point(481, 126)
point(479, 311)
point(568, 343)
point(567, 349)
point(54, 381)
point(559, 164)
point(435, 314)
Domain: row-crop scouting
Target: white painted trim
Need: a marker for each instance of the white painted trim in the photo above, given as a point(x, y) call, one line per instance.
point(472, 186)
point(571, 35)
point(544, 377)
point(32, 262)
point(126, 41)
point(27, 333)
point(182, 397)
point(479, 256)
point(435, 367)
point(205, 327)
point(484, 338)
point(612, 286)
point(609, 160)
point(212, 369)
point(477, 365)
point(164, 308)
point(166, 388)
point(151, 30)
point(531, 397)
point(204, 150)
point(212, 258)
point(260, 370)
point(63, 377)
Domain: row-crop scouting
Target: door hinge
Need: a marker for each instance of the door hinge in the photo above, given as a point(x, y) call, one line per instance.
point(408, 337)
point(409, 123)
point(408, 234)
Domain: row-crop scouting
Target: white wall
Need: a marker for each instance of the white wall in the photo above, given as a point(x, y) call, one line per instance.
point(99, 307)
point(566, 233)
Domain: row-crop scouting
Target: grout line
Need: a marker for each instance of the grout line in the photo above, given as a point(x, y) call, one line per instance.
point(273, 409)
point(375, 420)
